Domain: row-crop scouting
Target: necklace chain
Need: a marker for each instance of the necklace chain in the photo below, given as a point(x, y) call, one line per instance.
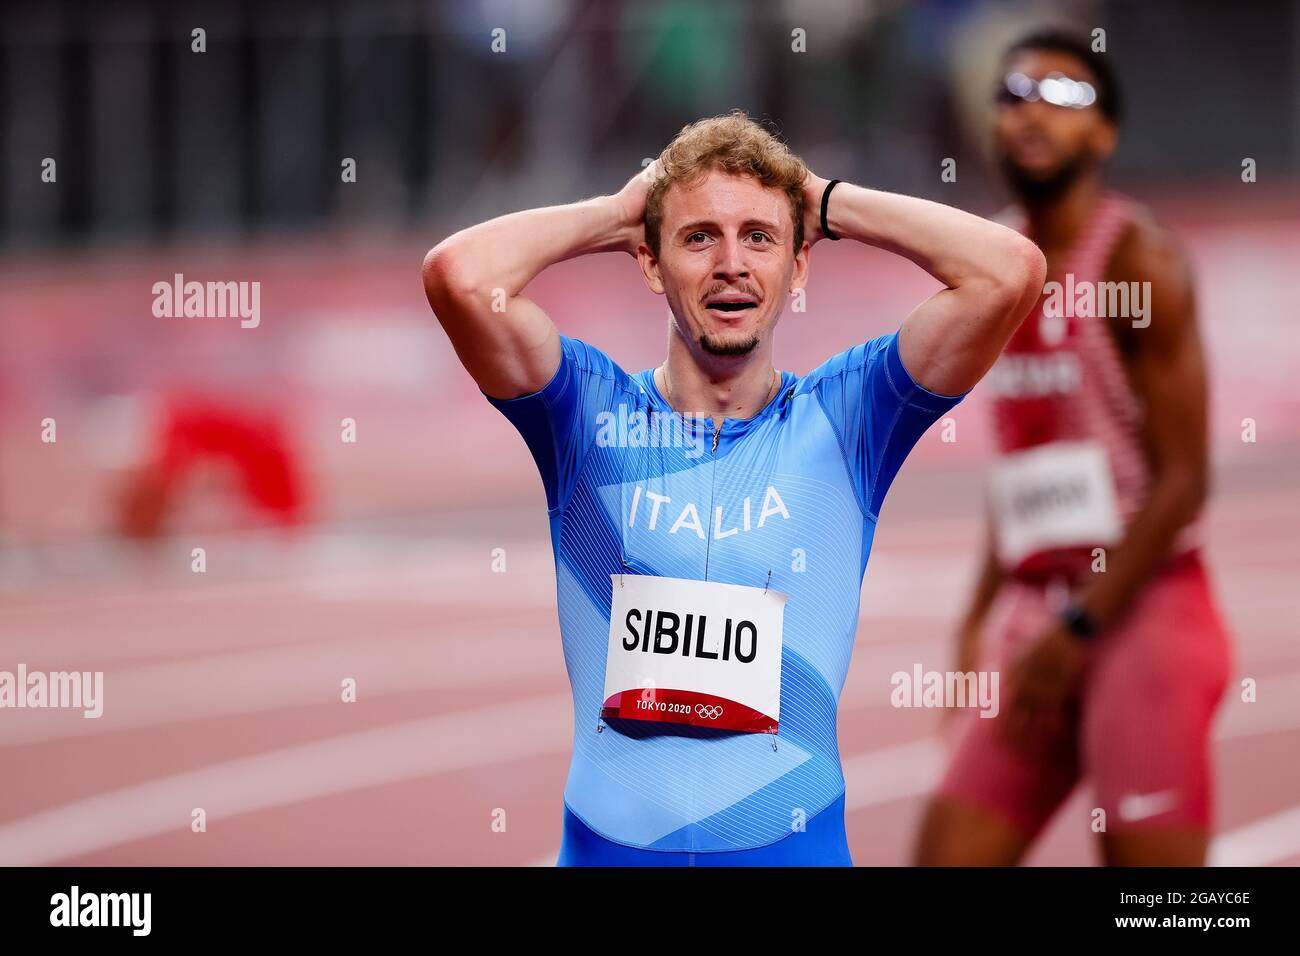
point(668, 386)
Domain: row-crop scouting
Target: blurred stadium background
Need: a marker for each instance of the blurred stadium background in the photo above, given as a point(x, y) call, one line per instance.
point(222, 689)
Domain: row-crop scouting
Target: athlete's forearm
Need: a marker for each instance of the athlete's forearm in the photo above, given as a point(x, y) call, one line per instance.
point(508, 252)
point(986, 587)
point(992, 276)
point(970, 630)
point(1175, 498)
point(955, 247)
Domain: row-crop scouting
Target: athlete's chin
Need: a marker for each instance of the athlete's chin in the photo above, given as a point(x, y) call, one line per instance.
point(1033, 170)
point(1042, 180)
point(1039, 173)
point(729, 342)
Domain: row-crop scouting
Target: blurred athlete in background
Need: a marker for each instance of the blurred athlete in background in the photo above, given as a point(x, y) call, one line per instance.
point(1093, 595)
point(712, 518)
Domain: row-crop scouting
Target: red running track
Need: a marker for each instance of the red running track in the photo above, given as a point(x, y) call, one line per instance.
point(223, 690)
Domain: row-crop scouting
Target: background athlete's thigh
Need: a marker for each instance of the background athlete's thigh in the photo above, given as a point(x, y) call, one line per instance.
point(960, 834)
point(1149, 710)
point(993, 800)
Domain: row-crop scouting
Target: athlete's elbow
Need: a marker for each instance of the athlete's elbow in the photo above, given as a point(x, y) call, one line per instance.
point(444, 276)
point(1021, 277)
point(1032, 266)
point(1014, 284)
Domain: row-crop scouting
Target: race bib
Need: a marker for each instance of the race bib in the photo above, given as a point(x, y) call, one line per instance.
point(1053, 497)
point(694, 652)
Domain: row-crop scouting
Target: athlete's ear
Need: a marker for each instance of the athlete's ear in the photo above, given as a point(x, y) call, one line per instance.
point(649, 264)
point(799, 277)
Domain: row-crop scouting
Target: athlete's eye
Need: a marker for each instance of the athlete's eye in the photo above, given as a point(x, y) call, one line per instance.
point(760, 236)
point(696, 238)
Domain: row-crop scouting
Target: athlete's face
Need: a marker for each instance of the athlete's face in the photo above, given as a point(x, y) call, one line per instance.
point(1040, 145)
point(726, 261)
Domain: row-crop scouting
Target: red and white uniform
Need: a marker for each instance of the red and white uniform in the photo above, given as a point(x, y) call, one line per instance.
point(1061, 384)
point(1071, 474)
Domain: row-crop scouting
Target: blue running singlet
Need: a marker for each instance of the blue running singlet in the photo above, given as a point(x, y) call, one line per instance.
point(788, 499)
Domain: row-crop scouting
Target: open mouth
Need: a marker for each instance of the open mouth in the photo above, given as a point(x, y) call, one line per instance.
point(730, 305)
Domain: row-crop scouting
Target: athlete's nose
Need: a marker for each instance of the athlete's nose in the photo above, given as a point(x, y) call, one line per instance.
point(1035, 113)
point(730, 263)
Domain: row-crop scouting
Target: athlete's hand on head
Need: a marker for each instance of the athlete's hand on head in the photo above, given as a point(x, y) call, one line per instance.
point(631, 204)
point(813, 187)
point(1040, 688)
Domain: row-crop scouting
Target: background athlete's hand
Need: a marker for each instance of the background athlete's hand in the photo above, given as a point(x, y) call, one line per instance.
point(631, 204)
point(1041, 685)
point(813, 187)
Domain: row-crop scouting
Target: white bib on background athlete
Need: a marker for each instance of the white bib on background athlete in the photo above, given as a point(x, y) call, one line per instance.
point(1058, 495)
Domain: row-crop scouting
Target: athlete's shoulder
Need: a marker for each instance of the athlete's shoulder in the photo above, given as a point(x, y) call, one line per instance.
point(853, 359)
point(1147, 247)
point(871, 378)
point(593, 361)
point(1150, 256)
point(587, 357)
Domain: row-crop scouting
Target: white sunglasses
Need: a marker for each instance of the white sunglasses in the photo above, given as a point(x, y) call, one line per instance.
point(1055, 88)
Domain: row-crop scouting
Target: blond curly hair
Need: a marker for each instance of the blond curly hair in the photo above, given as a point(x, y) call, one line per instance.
point(733, 143)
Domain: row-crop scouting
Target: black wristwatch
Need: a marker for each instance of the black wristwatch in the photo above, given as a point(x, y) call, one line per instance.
point(1079, 622)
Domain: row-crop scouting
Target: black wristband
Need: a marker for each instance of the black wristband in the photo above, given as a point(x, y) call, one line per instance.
point(826, 198)
point(1079, 622)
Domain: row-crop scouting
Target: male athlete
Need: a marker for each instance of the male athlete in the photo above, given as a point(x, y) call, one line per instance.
point(1104, 623)
point(711, 518)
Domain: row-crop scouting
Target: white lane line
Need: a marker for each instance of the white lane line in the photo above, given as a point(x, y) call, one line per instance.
point(1277, 707)
point(480, 737)
point(412, 658)
point(425, 572)
point(294, 676)
point(913, 769)
point(892, 773)
point(878, 655)
point(290, 775)
point(168, 633)
point(1259, 843)
point(309, 673)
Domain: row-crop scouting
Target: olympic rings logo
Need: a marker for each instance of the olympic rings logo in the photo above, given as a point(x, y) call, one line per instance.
point(708, 711)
